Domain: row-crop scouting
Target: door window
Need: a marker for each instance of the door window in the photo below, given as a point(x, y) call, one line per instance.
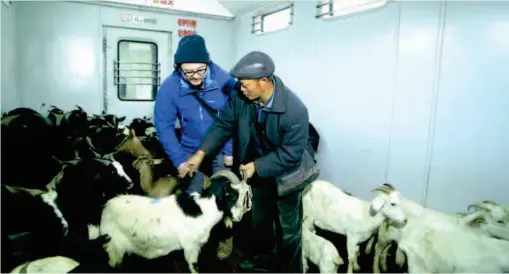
point(137, 71)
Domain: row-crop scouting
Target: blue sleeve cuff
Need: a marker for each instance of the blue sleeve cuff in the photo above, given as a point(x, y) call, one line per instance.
point(228, 148)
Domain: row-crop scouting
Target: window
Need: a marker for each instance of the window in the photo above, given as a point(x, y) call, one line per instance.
point(273, 21)
point(137, 71)
point(335, 8)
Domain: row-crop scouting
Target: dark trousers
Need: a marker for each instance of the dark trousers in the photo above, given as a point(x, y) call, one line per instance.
point(286, 214)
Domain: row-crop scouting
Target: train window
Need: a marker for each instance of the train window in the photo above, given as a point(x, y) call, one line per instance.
point(337, 8)
point(137, 71)
point(273, 21)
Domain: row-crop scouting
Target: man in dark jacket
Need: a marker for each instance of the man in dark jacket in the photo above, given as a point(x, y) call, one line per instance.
point(269, 124)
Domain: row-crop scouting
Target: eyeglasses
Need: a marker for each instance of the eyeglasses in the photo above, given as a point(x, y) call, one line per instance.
point(188, 73)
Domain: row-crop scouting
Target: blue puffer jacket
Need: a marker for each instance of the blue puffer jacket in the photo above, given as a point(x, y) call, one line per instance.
point(175, 100)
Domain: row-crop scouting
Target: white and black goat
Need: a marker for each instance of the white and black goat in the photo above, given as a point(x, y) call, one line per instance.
point(328, 207)
point(84, 189)
point(152, 228)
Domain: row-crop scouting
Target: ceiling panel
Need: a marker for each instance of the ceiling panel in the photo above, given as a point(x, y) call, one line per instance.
point(239, 7)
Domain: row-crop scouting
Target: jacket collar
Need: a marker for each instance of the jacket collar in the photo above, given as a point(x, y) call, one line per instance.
point(280, 94)
point(209, 83)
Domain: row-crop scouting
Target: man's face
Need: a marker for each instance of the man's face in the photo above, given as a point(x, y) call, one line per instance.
point(253, 88)
point(194, 72)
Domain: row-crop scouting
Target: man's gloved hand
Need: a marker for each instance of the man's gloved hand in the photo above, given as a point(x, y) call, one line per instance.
point(228, 161)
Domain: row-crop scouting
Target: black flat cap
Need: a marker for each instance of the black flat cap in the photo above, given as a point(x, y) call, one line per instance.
point(254, 65)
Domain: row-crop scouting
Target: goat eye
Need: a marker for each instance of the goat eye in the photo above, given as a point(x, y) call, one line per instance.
point(393, 204)
point(500, 222)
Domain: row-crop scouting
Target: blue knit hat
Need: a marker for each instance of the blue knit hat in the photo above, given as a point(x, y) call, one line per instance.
point(192, 49)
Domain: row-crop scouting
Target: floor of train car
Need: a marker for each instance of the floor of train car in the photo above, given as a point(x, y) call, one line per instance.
point(175, 262)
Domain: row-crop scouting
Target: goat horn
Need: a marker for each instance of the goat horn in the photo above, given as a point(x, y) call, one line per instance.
point(479, 206)
point(228, 175)
point(103, 161)
point(490, 202)
point(7, 120)
point(89, 142)
point(391, 187)
point(108, 157)
point(383, 189)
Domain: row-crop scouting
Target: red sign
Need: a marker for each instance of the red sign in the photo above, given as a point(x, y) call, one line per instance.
point(186, 27)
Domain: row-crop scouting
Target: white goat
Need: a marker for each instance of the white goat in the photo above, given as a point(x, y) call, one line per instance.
point(319, 251)
point(328, 207)
point(434, 246)
point(152, 228)
point(492, 221)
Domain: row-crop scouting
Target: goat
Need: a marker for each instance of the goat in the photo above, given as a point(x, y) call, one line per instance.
point(133, 145)
point(85, 187)
point(381, 248)
point(154, 227)
point(319, 251)
point(491, 219)
point(328, 207)
point(433, 246)
point(155, 187)
point(30, 219)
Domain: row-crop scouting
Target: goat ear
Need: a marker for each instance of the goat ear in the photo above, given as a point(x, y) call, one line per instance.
point(132, 133)
point(158, 161)
point(376, 205)
point(121, 119)
point(135, 162)
point(30, 191)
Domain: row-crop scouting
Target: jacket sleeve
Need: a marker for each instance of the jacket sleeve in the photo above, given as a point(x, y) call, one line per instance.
point(229, 88)
point(288, 154)
point(165, 114)
point(222, 129)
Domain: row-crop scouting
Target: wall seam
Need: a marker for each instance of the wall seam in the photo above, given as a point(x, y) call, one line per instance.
point(434, 102)
point(394, 92)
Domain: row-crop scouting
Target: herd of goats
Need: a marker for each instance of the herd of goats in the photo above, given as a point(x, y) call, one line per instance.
point(86, 193)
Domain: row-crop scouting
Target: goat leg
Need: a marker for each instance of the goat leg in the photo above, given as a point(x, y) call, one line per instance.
point(191, 254)
point(352, 249)
point(376, 258)
point(305, 265)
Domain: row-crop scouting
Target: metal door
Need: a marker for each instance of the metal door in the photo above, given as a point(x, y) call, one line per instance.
point(135, 63)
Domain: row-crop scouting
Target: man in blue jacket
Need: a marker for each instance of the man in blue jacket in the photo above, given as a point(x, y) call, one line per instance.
point(195, 78)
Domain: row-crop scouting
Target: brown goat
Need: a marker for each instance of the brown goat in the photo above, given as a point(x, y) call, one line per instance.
point(159, 188)
point(133, 145)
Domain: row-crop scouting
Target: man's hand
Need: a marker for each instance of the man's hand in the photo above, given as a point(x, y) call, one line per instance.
point(249, 170)
point(183, 169)
point(194, 161)
point(228, 161)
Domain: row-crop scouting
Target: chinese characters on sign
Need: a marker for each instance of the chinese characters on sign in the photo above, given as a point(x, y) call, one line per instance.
point(164, 2)
point(129, 17)
point(186, 27)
